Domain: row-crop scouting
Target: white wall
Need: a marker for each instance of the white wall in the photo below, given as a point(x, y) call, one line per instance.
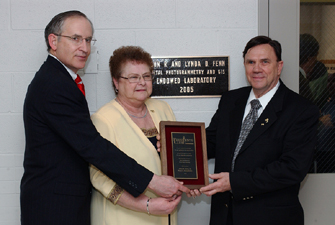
point(163, 28)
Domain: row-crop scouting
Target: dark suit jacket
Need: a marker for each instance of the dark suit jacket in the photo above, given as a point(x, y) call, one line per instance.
point(60, 142)
point(272, 162)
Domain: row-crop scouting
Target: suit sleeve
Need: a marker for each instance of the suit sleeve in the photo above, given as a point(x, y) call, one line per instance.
point(66, 112)
point(292, 164)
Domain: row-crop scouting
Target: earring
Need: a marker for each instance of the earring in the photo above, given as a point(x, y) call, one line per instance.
point(116, 90)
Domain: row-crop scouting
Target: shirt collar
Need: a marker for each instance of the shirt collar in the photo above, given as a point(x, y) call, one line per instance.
point(265, 99)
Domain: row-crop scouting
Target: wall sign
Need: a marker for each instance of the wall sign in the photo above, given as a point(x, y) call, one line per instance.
point(190, 76)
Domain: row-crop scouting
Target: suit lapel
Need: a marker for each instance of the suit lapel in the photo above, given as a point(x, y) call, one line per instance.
point(267, 118)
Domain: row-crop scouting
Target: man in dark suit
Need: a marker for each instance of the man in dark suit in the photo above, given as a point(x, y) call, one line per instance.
point(257, 180)
point(61, 139)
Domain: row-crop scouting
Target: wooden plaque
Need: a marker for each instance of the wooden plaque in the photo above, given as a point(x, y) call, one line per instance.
point(184, 152)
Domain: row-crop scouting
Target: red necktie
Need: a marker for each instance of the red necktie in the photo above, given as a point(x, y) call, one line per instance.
point(80, 84)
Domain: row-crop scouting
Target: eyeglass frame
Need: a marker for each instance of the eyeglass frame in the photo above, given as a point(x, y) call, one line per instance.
point(80, 39)
point(139, 77)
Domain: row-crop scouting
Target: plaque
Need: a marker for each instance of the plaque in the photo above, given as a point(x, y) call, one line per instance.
point(190, 76)
point(184, 152)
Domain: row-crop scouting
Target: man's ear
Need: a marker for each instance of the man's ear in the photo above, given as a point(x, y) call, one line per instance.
point(280, 67)
point(52, 38)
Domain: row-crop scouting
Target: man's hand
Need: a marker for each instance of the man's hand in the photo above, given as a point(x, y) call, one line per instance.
point(221, 185)
point(167, 186)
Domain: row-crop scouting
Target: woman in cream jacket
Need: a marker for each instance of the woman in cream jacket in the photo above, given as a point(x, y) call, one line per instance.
point(131, 122)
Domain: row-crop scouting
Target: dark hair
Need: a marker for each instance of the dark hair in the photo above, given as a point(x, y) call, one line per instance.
point(127, 54)
point(309, 47)
point(55, 26)
point(260, 40)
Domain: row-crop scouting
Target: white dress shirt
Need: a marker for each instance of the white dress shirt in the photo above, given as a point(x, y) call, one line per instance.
point(264, 100)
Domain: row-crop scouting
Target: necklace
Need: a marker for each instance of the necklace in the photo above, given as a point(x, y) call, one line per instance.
point(138, 117)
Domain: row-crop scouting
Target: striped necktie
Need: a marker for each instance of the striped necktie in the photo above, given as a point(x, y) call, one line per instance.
point(247, 125)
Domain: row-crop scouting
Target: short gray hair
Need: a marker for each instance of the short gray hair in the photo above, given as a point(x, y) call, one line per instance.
point(55, 26)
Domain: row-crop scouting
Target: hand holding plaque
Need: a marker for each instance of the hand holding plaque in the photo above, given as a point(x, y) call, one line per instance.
point(184, 153)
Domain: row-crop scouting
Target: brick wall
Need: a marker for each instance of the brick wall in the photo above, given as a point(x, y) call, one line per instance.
point(163, 28)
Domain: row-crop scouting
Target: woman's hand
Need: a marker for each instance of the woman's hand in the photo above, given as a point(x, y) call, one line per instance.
point(156, 206)
point(194, 193)
point(163, 206)
point(158, 145)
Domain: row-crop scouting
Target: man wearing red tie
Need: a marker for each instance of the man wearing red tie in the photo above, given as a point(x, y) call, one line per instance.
point(61, 139)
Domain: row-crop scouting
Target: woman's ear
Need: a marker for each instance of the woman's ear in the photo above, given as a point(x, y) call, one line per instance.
point(116, 83)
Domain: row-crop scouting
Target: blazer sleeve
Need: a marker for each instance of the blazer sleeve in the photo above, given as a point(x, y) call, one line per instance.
point(66, 112)
point(99, 180)
point(292, 164)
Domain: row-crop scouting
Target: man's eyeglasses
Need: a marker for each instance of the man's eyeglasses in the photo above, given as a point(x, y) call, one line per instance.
point(79, 39)
point(136, 78)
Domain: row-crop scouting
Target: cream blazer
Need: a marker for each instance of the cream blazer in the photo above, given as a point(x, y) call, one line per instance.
point(114, 124)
